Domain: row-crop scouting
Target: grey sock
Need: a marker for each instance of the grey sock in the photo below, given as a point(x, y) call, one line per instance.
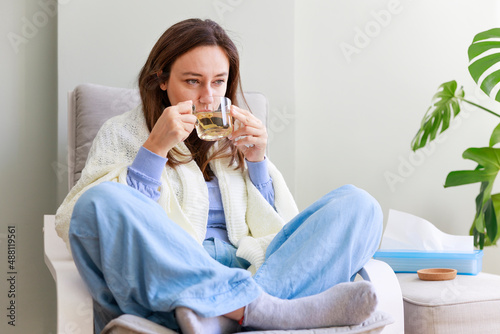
point(191, 323)
point(342, 305)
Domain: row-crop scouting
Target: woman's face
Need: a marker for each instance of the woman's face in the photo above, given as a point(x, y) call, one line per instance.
point(197, 74)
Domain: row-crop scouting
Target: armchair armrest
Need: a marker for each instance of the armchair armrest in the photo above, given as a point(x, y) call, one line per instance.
point(390, 298)
point(74, 303)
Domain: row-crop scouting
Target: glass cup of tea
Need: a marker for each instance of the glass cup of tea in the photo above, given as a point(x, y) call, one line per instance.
point(214, 120)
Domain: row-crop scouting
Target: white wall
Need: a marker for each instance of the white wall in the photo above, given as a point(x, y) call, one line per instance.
point(357, 114)
point(107, 42)
point(28, 92)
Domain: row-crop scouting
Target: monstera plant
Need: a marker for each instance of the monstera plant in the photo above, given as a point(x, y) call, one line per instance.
point(484, 57)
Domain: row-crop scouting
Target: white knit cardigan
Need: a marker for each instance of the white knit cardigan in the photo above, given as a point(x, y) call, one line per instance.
point(251, 221)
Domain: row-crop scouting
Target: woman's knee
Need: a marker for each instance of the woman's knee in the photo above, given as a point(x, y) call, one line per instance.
point(368, 214)
point(97, 193)
point(94, 202)
point(110, 194)
point(92, 198)
point(362, 205)
point(363, 200)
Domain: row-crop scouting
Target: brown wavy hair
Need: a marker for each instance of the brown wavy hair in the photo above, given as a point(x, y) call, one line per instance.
point(176, 41)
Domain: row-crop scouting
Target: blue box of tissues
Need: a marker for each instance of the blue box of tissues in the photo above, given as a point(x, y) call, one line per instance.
point(409, 261)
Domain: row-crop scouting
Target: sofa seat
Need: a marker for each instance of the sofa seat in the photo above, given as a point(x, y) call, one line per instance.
point(130, 324)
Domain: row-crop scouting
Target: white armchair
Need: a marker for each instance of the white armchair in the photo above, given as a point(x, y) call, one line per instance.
point(88, 107)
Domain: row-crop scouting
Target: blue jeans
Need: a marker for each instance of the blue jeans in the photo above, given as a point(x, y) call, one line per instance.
point(135, 260)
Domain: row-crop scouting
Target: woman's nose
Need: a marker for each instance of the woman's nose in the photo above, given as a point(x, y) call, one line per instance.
point(206, 94)
point(207, 98)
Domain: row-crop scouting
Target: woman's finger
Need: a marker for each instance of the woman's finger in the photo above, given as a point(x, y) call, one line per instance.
point(248, 131)
point(185, 107)
point(188, 118)
point(245, 117)
point(246, 124)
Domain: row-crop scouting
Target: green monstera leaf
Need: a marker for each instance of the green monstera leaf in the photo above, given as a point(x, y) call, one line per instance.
point(445, 104)
point(484, 53)
point(495, 136)
point(484, 57)
point(485, 227)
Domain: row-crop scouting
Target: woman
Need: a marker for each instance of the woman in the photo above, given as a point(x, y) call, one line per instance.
point(178, 235)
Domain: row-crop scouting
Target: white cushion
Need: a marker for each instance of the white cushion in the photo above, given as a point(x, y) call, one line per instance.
point(466, 304)
point(130, 324)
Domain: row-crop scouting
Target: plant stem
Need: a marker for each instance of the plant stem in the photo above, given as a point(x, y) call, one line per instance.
point(481, 107)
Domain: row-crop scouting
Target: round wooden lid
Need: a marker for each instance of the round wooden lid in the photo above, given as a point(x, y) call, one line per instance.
point(436, 274)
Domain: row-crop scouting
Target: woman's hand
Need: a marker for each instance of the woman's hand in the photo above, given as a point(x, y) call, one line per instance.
point(174, 126)
point(250, 136)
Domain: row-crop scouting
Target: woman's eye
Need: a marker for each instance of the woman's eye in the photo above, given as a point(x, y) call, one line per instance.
point(219, 82)
point(192, 81)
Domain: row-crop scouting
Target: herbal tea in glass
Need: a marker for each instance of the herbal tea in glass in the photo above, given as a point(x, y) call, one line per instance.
point(214, 119)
